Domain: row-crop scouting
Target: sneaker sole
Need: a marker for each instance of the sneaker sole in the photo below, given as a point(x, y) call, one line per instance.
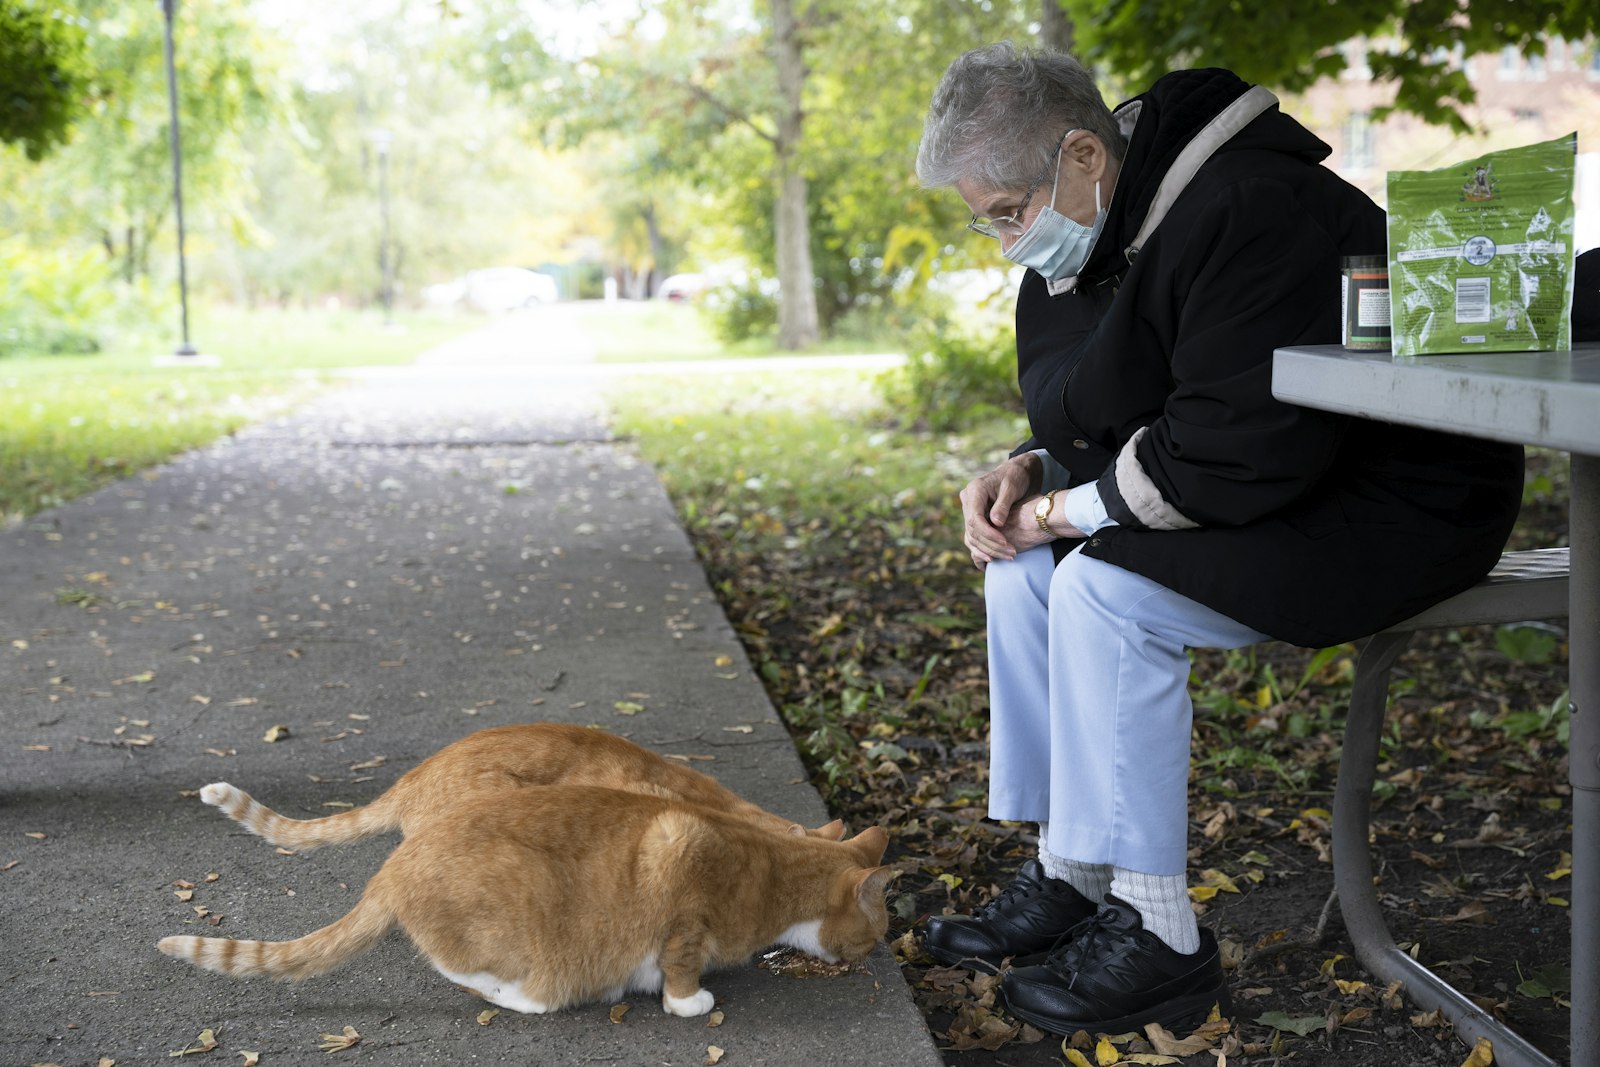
point(1181, 1016)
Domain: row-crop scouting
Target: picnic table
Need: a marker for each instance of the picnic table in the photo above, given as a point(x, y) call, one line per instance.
point(1548, 399)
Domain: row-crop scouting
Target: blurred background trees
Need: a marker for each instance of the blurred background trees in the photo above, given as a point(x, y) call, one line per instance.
point(765, 148)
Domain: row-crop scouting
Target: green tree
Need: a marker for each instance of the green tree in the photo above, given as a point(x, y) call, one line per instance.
point(45, 75)
point(1416, 45)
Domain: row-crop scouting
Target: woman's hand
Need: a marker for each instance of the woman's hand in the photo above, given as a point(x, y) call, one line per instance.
point(1022, 530)
point(987, 506)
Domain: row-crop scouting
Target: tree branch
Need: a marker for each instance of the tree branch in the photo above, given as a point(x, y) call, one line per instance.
point(732, 113)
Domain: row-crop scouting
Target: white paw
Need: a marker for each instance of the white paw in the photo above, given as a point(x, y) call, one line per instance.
point(698, 1004)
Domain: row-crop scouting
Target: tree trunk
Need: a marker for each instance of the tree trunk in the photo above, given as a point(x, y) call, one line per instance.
point(797, 294)
point(1055, 27)
point(658, 251)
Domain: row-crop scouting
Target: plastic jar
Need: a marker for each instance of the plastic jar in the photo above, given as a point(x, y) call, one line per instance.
point(1365, 302)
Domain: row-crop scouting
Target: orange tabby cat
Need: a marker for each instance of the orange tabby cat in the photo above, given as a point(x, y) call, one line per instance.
point(526, 754)
point(581, 893)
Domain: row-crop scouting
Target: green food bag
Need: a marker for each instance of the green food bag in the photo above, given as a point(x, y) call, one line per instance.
point(1480, 253)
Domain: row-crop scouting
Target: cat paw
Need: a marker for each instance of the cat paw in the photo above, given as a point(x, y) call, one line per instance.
point(697, 1004)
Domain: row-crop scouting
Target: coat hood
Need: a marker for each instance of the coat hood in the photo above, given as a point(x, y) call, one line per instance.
point(1180, 112)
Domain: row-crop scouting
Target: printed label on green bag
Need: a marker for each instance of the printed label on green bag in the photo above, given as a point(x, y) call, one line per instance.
point(1480, 253)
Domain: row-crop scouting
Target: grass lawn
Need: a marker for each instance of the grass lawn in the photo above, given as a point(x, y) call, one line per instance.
point(765, 453)
point(648, 331)
point(70, 424)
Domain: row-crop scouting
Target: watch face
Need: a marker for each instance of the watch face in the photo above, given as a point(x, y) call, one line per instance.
point(1042, 508)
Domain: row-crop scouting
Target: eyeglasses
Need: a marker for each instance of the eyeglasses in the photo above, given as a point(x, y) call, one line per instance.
point(1011, 225)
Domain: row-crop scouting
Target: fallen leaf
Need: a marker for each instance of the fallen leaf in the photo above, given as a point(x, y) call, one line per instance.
point(1105, 1053)
point(1167, 1044)
point(212, 876)
point(1482, 1054)
point(628, 707)
point(275, 733)
point(1074, 1057)
point(339, 1042)
point(184, 895)
point(713, 1055)
point(720, 661)
point(372, 764)
point(36, 748)
point(107, 1061)
point(618, 1011)
point(486, 1017)
point(283, 852)
point(250, 1058)
point(204, 1043)
point(35, 834)
point(739, 729)
point(243, 702)
point(1473, 912)
point(1299, 1025)
point(715, 1018)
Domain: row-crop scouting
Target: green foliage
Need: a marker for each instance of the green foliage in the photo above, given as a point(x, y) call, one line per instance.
point(66, 301)
point(1290, 46)
point(1534, 645)
point(1552, 722)
point(742, 310)
point(951, 377)
point(45, 75)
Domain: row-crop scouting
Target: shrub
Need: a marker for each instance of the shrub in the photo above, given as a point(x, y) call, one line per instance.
point(62, 301)
point(951, 378)
point(742, 309)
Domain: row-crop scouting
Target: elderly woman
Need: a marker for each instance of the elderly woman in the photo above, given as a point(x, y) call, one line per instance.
point(1166, 499)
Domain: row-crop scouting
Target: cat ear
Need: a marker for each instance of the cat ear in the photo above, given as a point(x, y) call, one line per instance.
point(833, 831)
point(870, 885)
point(796, 830)
point(870, 844)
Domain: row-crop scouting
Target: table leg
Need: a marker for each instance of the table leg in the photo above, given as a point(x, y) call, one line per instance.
point(1585, 758)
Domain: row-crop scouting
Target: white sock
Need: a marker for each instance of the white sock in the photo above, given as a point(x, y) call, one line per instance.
point(1093, 880)
point(1162, 901)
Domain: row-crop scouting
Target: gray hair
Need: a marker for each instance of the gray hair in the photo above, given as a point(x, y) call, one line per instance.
point(995, 110)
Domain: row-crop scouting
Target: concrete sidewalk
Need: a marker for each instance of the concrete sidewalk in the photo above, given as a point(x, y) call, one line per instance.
point(418, 556)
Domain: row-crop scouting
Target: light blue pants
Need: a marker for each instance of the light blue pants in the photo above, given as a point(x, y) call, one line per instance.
point(1089, 706)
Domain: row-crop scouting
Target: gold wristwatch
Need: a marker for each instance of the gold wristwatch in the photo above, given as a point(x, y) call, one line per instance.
point(1042, 509)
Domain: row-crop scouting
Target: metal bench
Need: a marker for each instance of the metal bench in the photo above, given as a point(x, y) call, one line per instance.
point(1523, 586)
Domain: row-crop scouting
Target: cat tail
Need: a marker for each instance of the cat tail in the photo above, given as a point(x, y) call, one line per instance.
point(319, 951)
point(378, 817)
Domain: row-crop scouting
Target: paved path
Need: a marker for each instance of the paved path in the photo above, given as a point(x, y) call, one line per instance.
point(417, 556)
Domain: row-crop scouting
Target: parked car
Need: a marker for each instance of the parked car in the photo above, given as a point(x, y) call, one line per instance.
point(681, 287)
point(495, 289)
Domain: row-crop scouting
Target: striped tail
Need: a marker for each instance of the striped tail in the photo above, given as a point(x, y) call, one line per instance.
point(375, 818)
point(322, 950)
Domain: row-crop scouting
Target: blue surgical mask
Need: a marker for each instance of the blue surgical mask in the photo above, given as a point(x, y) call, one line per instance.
point(1054, 245)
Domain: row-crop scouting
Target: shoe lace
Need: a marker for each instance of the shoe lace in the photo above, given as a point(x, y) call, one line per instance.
point(1079, 945)
point(1015, 891)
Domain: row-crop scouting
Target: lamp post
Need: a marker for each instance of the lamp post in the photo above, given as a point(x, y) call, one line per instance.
point(381, 140)
point(186, 352)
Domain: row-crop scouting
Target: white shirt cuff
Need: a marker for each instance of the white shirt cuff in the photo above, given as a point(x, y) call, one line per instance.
point(1084, 509)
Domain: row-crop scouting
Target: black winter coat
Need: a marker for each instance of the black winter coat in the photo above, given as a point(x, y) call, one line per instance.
point(1152, 374)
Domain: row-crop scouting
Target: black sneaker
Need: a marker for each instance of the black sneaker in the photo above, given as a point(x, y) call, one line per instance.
point(1027, 918)
point(1113, 976)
